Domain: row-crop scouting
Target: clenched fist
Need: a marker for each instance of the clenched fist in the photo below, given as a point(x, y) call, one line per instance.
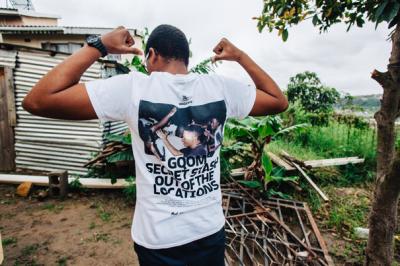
point(225, 50)
point(120, 41)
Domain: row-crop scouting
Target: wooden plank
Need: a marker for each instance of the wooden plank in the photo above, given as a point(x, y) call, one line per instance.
point(315, 163)
point(311, 182)
point(333, 162)
point(44, 181)
point(7, 151)
point(318, 235)
point(9, 86)
point(280, 162)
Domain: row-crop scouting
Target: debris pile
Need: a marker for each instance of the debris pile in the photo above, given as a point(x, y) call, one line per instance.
point(109, 149)
point(270, 232)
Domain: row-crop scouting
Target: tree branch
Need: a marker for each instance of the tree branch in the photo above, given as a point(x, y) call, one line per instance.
point(383, 78)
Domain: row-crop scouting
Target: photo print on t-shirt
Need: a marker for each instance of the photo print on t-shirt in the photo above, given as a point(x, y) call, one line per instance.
point(192, 131)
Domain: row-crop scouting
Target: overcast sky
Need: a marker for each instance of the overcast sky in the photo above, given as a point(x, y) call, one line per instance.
point(343, 60)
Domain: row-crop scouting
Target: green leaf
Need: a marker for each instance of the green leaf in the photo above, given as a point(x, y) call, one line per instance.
point(267, 179)
point(393, 22)
point(249, 122)
point(125, 139)
point(265, 131)
point(274, 193)
point(392, 12)
point(250, 184)
point(136, 60)
point(293, 128)
point(266, 164)
point(278, 171)
point(315, 20)
point(120, 156)
point(285, 35)
point(380, 9)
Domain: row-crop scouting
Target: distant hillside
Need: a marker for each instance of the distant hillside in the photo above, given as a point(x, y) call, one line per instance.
point(369, 103)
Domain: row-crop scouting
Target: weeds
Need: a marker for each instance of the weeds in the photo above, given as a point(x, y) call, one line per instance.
point(130, 191)
point(9, 241)
point(29, 250)
point(92, 225)
point(103, 214)
point(76, 185)
point(53, 208)
point(62, 261)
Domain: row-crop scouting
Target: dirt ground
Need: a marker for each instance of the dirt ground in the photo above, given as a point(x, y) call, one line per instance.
point(93, 228)
point(89, 229)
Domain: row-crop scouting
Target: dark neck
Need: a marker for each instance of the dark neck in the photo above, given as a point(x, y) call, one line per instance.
point(175, 67)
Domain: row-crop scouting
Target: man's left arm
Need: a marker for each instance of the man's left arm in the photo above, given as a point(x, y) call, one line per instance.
point(59, 95)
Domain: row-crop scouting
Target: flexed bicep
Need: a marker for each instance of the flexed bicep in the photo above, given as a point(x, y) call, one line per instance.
point(70, 104)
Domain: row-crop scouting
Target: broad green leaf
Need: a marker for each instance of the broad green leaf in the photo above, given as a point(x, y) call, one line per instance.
point(278, 171)
point(266, 164)
point(265, 131)
point(136, 60)
point(267, 179)
point(293, 128)
point(250, 184)
point(119, 138)
point(380, 9)
point(274, 193)
point(120, 156)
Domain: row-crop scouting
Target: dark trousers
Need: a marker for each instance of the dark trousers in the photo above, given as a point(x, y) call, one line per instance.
point(206, 251)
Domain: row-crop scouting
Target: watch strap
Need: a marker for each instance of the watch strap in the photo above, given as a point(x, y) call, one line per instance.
point(97, 43)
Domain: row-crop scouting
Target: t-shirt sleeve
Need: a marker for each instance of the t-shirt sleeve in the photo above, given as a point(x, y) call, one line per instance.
point(239, 98)
point(111, 98)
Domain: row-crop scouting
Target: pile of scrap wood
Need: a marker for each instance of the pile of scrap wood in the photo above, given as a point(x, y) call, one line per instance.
point(270, 232)
point(110, 149)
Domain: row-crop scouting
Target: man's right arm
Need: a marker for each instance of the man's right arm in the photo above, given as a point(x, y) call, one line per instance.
point(269, 98)
point(59, 94)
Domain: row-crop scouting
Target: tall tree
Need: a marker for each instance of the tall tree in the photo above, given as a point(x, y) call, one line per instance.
point(313, 96)
point(280, 15)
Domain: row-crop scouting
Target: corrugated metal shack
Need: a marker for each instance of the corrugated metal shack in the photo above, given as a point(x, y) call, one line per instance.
point(29, 142)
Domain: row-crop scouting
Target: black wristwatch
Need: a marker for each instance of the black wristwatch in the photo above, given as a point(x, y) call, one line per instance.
point(95, 41)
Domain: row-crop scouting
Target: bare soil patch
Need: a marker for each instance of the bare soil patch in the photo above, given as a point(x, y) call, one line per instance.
point(91, 228)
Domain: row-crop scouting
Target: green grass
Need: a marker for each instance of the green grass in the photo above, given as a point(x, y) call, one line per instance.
point(29, 250)
point(62, 261)
point(53, 208)
point(9, 241)
point(104, 215)
point(92, 225)
point(333, 141)
point(336, 140)
point(302, 153)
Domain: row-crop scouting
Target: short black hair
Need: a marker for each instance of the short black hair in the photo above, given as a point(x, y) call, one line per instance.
point(198, 130)
point(169, 42)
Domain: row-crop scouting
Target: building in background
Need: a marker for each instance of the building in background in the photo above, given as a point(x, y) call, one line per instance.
point(20, 24)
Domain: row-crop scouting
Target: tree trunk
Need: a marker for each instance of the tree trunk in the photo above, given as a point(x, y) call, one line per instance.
point(383, 216)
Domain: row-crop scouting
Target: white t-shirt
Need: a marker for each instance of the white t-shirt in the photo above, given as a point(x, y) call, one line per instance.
point(178, 186)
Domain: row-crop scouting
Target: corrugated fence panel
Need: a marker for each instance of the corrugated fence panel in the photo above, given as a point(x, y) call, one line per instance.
point(51, 144)
point(116, 128)
point(7, 58)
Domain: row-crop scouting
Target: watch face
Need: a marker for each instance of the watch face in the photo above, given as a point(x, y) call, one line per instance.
point(92, 38)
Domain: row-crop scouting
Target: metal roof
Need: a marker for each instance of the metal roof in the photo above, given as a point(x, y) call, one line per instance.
point(34, 29)
point(26, 13)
